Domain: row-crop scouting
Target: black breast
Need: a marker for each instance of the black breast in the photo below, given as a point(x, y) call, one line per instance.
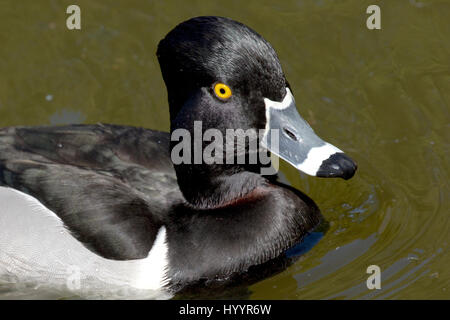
point(222, 242)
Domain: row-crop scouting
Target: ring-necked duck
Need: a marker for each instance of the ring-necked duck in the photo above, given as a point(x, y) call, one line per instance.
point(98, 209)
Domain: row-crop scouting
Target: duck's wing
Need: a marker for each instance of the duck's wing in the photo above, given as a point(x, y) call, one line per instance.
point(110, 185)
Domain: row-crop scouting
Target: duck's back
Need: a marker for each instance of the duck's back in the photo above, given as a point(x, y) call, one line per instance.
point(110, 185)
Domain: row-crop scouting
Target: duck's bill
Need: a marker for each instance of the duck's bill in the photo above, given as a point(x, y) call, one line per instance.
point(299, 145)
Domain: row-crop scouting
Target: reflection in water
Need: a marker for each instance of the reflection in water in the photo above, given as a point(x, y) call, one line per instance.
point(382, 96)
point(307, 244)
point(389, 280)
point(335, 259)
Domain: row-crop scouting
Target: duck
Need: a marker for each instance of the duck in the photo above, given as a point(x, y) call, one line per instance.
point(104, 210)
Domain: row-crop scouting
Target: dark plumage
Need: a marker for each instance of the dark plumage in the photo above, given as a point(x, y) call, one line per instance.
point(114, 186)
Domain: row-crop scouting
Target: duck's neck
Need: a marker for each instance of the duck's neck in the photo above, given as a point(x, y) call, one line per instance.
point(212, 186)
point(256, 228)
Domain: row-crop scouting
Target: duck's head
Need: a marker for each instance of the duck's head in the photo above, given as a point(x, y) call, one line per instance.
point(224, 74)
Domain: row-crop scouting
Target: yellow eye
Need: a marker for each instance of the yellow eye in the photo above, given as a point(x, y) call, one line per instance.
point(222, 91)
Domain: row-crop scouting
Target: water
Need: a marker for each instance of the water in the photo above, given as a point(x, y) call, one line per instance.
point(382, 96)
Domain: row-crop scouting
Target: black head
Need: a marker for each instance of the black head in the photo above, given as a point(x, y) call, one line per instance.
point(203, 51)
point(206, 53)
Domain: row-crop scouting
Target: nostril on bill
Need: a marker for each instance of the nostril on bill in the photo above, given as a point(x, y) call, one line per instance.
point(290, 134)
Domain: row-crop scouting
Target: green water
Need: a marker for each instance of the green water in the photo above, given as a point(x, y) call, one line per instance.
point(380, 95)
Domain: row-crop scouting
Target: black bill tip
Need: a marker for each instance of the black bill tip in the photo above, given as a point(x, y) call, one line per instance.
point(339, 165)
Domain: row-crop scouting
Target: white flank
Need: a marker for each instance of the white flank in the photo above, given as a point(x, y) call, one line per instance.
point(36, 249)
point(154, 267)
